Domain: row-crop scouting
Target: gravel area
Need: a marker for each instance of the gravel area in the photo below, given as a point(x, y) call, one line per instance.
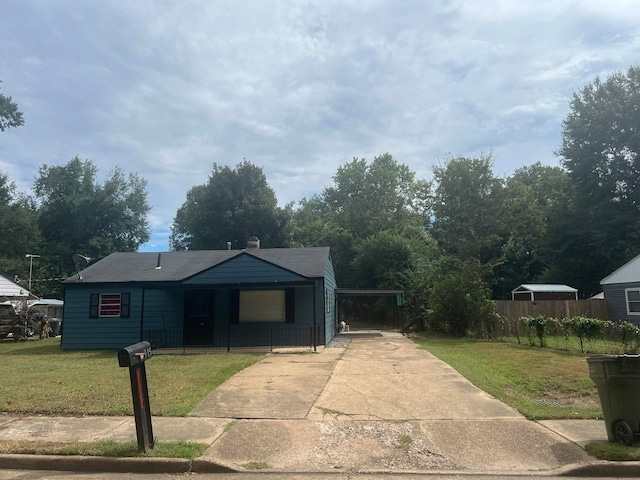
point(338, 342)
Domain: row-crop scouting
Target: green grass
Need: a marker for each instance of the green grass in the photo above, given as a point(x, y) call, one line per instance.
point(404, 441)
point(540, 383)
point(572, 344)
point(104, 448)
point(615, 452)
point(39, 378)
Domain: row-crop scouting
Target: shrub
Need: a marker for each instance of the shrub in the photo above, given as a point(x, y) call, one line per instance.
point(629, 335)
point(586, 328)
point(536, 327)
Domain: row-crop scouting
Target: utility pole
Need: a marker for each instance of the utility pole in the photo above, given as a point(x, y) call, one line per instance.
point(31, 256)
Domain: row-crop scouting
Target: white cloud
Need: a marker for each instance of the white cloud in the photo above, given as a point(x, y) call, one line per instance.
point(167, 88)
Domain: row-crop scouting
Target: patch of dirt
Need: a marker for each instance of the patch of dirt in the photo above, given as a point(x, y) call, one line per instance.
point(559, 398)
point(567, 399)
point(388, 446)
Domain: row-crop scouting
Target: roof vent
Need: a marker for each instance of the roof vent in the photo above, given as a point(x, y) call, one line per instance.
point(253, 243)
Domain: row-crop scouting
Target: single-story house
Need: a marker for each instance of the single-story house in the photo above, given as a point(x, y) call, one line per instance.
point(533, 292)
point(211, 298)
point(622, 292)
point(11, 292)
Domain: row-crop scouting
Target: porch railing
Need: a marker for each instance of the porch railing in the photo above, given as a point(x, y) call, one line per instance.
point(236, 338)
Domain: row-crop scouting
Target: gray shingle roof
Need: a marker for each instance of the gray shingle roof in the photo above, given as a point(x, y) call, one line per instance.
point(178, 266)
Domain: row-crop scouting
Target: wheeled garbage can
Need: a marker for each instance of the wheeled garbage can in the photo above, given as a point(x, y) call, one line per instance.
point(618, 380)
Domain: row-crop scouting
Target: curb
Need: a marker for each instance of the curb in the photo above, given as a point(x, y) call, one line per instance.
point(74, 463)
point(601, 469)
point(159, 465)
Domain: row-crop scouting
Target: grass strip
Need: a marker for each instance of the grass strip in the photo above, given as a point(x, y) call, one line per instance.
point(540, 383)
point(104, 448)
point(614, 452)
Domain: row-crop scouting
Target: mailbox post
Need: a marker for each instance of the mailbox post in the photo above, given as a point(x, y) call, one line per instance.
point(134, 357)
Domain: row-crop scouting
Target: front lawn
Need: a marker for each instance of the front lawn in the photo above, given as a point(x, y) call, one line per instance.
point(540, 383)
point(39, 378)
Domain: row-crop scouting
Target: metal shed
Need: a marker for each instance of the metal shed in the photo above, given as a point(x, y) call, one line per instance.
point(531, 292)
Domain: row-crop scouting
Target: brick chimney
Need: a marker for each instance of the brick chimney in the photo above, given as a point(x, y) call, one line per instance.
point(253, 243)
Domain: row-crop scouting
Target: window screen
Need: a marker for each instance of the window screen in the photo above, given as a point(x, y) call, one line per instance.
point(262, 306)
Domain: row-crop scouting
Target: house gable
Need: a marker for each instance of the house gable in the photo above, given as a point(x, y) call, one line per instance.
point(627, 273)
point(244, 269)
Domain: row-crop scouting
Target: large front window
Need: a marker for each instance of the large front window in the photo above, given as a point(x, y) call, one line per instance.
point(262, 306)
point(266, 305)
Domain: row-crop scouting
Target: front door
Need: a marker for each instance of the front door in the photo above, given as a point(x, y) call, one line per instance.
point(198, 317)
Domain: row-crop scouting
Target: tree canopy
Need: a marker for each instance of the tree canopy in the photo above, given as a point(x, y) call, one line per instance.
point(10, 116)
point(369, 206)
point(234, 205)
point(18, 224)
point(601, 153)
point(468, 209)
point(77, 214)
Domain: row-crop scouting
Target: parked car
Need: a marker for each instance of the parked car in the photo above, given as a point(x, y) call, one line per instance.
point(13, 325)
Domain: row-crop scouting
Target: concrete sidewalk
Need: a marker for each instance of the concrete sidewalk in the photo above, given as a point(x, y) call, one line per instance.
point(381, 404)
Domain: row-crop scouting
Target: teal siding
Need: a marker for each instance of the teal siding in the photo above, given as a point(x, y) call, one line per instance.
point(330, 325)
point(246, 270)
point(80, 331)
point(164, 309)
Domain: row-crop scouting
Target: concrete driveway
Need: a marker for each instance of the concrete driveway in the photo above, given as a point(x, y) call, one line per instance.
point(381, 404)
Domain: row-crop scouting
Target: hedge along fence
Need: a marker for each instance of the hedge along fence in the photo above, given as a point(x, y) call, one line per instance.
point(514, 310)
point(578, 333)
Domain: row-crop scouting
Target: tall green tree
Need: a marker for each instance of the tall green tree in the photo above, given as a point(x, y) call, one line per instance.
point(382, 195)
point(369, 204)
point(77, 214)
point(20, 232)
point(537, 197)
point(10, 116)
point(234, 205)
point(601, 152)
point(468, 208)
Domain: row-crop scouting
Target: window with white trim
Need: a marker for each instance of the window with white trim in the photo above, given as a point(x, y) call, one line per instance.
point(632, 296)
point(109, 305)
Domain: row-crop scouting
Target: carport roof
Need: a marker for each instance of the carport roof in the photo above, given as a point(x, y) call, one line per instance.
point(371, 292)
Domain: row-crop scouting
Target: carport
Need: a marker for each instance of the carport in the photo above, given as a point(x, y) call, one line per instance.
point(395, 323)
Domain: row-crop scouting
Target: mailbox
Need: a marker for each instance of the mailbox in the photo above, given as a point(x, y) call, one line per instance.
point(134, 357)
point(134, 354)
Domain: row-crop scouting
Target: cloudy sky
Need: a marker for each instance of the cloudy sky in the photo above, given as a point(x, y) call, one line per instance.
point(166, 88)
